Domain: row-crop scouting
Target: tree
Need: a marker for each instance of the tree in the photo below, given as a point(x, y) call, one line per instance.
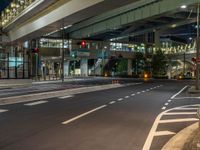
point(159, 63)
point(121, 67)
point(139, 63)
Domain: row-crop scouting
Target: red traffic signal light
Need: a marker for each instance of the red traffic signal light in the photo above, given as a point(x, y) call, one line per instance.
point(35, 50)
point(194, 59)
point(83, 44)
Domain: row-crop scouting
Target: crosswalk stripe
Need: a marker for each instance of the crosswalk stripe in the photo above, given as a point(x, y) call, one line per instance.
point(178, 120)
point(3, 110)
point(35, 103)
point(180, 113)
point(185, 108)
point(162, 133)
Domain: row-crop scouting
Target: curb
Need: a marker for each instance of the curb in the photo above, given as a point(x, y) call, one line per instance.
point(178, 141)
point(45, 95)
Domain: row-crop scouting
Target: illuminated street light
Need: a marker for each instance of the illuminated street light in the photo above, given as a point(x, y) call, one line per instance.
point(183, 7)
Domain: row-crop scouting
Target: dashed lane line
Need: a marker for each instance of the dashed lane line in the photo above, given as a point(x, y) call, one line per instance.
point(120, 99)
point(112, 102)
point(169, 100)
point(3, 110)
point(82, 115)
point(35, 103)
point(127, 97)
point(138, 92)
point(166, 104)
point(163, 108)
point(132, 94)
point(68, 96)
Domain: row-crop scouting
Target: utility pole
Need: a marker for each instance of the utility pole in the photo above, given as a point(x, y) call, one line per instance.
point(63, 50)
point(184, 67)
point(197, 53)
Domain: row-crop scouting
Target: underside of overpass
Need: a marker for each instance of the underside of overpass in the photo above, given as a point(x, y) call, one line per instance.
point(101, 20)
point(128, 21)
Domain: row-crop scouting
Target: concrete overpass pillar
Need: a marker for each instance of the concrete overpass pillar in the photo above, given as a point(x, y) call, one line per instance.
point(66, 68)
point(169, 72)
point(84, 67)
point(157, 39)
point(130, 67)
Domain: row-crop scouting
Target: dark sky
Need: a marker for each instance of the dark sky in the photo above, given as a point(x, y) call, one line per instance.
point(4, 4)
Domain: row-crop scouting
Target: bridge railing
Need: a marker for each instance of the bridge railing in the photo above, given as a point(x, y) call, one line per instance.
point(15, 8)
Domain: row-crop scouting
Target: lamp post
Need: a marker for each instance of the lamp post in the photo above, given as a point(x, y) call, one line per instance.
point(197, 46)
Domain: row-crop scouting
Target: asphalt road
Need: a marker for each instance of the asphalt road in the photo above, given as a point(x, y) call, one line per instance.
point(115, 119)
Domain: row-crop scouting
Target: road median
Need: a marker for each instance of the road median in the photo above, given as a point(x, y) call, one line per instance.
point(45, 95)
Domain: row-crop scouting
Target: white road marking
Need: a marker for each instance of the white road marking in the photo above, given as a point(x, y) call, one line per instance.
point(147, 90)
point(169, 100)
point(132, 94)
point(163, 108)
point(82, 115)
point(120, 99)
point(166, 104)
point(35, 103)
point(178, 120)
point(151, 134)
point(127, 96)
point(180, 113)
point(138, 92)
point(143, 91)
point(186, 108)
point(187, 98)
point(179, 92)
point(68, 96)
point(112, 102)
point(3, 110)
point(162, 133)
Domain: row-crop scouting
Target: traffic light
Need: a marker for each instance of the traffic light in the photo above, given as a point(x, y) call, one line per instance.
point(194, 59)
point(82, 44)
point(35, 50)
point(73, 54)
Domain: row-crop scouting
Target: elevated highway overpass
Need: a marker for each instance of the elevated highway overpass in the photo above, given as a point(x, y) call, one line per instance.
point(96, 19)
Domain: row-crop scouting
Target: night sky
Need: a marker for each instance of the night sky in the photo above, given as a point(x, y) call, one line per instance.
point(4, 4)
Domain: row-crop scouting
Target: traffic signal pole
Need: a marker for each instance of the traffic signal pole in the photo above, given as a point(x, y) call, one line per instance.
point(63, 52)
point(198, 51)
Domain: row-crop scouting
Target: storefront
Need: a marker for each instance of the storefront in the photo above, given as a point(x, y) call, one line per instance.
point(14, 63)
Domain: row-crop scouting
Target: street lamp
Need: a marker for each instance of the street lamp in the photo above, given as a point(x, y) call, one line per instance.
point(197, 46)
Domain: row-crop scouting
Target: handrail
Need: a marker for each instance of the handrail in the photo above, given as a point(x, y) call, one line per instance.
point(14, 10)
